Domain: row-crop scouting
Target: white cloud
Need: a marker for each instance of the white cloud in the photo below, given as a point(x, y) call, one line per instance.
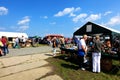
point(84, 17)
point(79, 17)
point(106, 13)
point(67, 11)
point(93, 17)
point(3, 11)
point(72, 15)
point(45, 17)
point(25, 20)
point(23, 24)
point(114, 21)
point(77, 9)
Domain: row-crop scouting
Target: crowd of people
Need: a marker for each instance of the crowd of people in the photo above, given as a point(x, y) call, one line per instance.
point(96, 46)
point(55, 42)
point(84, 45)
point(18, 42)
point(4, 44)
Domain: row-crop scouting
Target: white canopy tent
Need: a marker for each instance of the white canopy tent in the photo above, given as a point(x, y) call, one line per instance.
point(13, 34)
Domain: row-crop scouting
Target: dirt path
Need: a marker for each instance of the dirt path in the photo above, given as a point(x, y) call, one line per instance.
point(32, 66)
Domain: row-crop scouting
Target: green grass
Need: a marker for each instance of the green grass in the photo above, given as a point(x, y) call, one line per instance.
point(68, 70)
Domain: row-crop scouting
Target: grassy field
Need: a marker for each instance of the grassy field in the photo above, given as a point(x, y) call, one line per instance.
point(68, 70)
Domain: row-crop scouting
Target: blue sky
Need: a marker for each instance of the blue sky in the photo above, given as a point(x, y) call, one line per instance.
point(42, 17)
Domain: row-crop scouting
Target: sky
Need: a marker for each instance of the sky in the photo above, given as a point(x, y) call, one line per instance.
point(42, 17)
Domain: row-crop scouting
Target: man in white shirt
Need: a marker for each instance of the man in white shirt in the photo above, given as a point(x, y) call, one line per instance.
point(82, 50)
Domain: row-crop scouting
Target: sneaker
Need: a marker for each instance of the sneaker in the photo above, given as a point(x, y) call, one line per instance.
point(54, 54)
point(83, 69)
point(85, 61)
point(97, 72)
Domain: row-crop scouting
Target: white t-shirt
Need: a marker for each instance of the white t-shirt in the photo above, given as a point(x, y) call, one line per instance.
point(23, 39)
point(82, 43)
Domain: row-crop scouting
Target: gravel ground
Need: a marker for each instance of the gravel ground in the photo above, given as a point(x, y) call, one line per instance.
point(28, 51)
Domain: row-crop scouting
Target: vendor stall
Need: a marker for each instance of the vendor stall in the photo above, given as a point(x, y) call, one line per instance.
point(110, 37)
point(106, 60)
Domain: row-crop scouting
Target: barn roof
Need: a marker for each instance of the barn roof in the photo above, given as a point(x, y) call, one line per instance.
point(92, 28)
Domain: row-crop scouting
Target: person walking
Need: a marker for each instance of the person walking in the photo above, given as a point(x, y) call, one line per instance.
point(16, 43)
point(54, 46)
point(82, 50)
point(62, 42)
point(96, 54)
point(7, 44)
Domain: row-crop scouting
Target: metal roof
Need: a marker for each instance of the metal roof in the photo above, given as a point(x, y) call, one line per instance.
point(95, 29)
point(111, 29)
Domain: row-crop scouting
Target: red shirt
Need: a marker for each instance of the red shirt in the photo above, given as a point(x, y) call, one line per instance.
point(4, 41)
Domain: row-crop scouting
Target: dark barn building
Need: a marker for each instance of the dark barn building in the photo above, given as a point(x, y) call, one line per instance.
point(92, 29)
